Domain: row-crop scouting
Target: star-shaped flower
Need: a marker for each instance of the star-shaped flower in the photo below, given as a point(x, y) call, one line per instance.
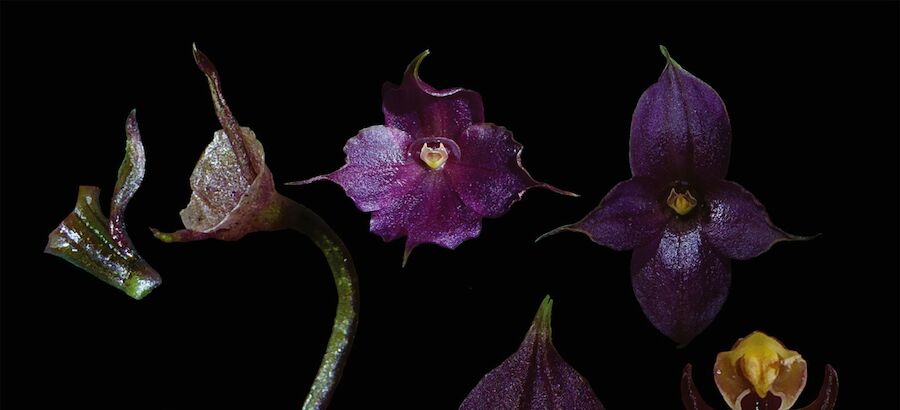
point(683, 220)
point(435, 168)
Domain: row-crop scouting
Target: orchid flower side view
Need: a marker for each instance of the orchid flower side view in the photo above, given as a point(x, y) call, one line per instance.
point(435, 168)
point(234, 194)
point(683, 220)
point(535, 377)
point(760, 373)
point(101, 246)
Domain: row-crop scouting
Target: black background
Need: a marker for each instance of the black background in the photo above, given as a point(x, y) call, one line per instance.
point(813, 95)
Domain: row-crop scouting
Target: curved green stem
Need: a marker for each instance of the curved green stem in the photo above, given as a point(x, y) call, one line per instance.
point(308, 223)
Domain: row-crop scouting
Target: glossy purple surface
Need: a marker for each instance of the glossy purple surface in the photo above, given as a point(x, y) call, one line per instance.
point(384, 173)
point(535, 377)
point(680, 270)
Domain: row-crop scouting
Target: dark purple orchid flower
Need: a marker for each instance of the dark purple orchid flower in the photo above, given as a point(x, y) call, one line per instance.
point(101, 246)
point(683, 220)
point(435, 168)
point(535, 377)
point(759, 373)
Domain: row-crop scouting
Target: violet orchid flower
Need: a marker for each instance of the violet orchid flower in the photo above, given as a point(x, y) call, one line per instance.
point(234, 195)
point(760, 373)
point(535, 377)
point(101, 246)
point(435, 168)
point(683, 220)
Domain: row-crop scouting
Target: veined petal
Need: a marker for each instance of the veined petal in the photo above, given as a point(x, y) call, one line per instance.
point(631, 214)
point(680, 281)
point(738, 225)
point(489, 176)
point(423, 111)
point(379, 168)
point(535, 377)
point(431, 212)
point(680, 129)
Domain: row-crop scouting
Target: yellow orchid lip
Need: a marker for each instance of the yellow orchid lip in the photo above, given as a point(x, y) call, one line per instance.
point(681, 203)
point(434, 157)
point(761, 365)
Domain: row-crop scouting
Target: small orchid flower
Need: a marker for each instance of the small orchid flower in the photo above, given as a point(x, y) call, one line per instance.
point(535, 377)
point(101, 246)
point(683, 220)
point(234, 195)
point(760, 373)
point(435, 168)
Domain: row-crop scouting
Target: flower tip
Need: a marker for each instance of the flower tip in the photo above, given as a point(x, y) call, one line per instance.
point(131, 126)
point(669, 60)
point(413, 68)
point(307, 181)
point(203, 61)
point(542, 317)
point(554, 232)
point(163, 236)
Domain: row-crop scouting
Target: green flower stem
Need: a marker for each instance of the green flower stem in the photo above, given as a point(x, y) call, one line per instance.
point(302, 219)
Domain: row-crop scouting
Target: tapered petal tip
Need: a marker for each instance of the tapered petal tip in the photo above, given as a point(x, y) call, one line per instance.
point(413, 68)
point(556, 231)
point(202, 60)
point(131, 126)
point(665, 52)
point(543, 316)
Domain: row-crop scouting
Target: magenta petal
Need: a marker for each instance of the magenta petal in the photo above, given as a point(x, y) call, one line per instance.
point(738, 225)
point(535, 377)
point(680, 129)
point(378, 170)
point(489, 176)
point(680, 281)
point(424, 112)
point(630, 215)
point(431, 212)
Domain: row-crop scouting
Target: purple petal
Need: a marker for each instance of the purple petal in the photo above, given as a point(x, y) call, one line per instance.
point(489, 176)
point(680, 281)
point(632, 213)
point(534, 377)
point(690, 397)
point(827, 398)
point(738, 226)
point(378, 170)
point(131, 174)
point(423, 112)
point(431, 212)
point(680, 129)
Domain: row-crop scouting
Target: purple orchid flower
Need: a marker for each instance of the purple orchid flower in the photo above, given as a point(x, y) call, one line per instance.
point(534, 377)
point(435, 168)
point(683, 220)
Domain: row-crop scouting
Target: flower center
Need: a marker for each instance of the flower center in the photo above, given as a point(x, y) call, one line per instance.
point(760, 361)
point(681, 203)
point(434, 158)
point(434, 152)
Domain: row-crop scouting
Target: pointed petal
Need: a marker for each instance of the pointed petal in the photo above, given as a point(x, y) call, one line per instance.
point(431, 212)
point(248, 163)
point(423, 111)
point(131, 173)
point(680, 129)
point(738, 225)
point(379, 168)
point(489, 176)
point(680, 281)
point(534, 378)
point(631, 214)
point(827, 398)
point(690, 397)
